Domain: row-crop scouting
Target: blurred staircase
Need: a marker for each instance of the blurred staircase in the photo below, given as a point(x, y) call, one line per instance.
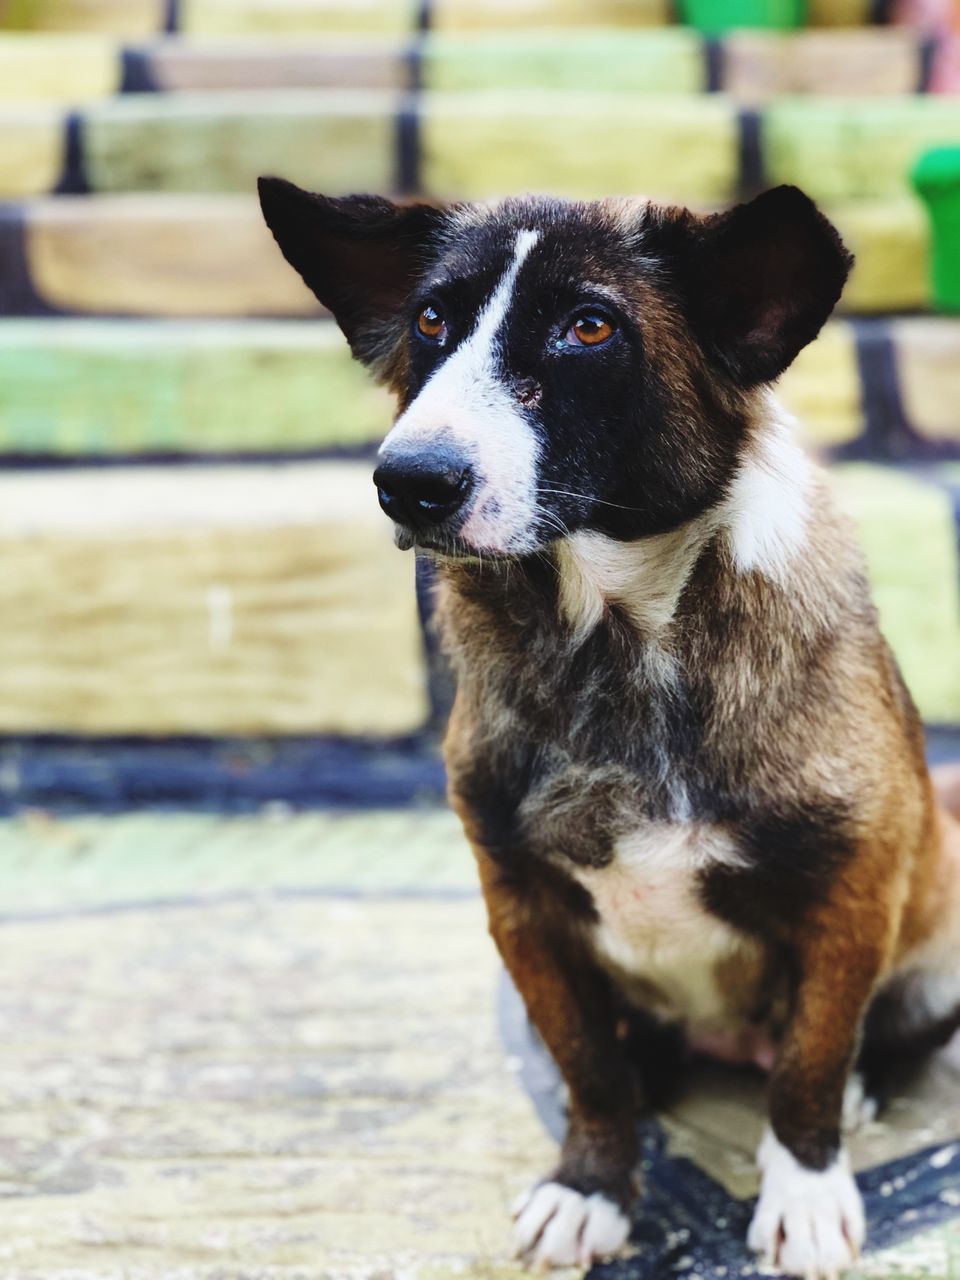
point(250, 619)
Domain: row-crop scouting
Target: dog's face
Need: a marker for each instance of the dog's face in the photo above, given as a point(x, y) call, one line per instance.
point(562, 366)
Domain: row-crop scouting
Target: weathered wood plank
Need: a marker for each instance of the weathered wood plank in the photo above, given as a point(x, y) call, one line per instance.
point(205, 600)
point(31, 150)
point(882, 60)
point(168, 256)
point(838, 149)
point(660, 61)
point(68, 69)
point(118, 17)
point(822, 388)
point(279, 16)
point(180, 255)
point(890, 239)
point(928, 364)
point(587, 144)
point(340, 141)
point(338, 62)
point(87, 388)
point(910, 537)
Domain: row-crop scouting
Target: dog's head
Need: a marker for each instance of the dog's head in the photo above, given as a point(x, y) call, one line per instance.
point(562, 366)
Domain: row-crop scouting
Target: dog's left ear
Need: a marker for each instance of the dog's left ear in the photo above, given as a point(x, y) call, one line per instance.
point(761, 280)
point(361, 256)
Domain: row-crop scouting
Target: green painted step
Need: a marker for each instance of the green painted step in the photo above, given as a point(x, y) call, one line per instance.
point(838, 149)
point(100, 388)
point(181, 255)
point(49, 864)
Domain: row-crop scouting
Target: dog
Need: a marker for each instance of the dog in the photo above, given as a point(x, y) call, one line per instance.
point(684, 756)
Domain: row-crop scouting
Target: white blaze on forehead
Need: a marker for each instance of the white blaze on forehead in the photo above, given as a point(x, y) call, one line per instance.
point(465, 401)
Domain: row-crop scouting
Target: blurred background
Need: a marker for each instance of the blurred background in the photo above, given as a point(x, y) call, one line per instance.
point(216, 674)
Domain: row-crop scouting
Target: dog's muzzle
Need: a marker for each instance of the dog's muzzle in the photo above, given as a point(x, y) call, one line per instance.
point(422, 489)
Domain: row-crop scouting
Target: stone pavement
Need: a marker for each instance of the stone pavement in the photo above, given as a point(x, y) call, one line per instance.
point(237, 1048)
point(227, 1082)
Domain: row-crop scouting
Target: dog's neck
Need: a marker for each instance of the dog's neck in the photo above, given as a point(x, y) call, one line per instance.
point(761, 523)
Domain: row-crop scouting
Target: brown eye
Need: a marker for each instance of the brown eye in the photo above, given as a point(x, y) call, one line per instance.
point(431, 325)
point(589, 330)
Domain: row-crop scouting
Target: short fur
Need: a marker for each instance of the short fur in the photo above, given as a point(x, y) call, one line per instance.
point(690, 771)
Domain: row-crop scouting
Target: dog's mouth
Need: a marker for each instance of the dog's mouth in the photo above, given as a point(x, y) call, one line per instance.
point(449, 546)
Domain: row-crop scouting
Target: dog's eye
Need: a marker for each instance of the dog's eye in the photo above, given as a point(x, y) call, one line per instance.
point(431, 324)
point(589, 330)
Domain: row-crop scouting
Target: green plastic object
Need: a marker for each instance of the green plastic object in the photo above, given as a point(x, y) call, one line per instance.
point(713, 17)
point(936, 177)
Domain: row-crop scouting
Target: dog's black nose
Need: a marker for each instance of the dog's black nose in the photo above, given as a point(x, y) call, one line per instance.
point(424, 488)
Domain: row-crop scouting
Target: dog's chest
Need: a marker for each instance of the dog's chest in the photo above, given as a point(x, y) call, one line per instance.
point(654, 933)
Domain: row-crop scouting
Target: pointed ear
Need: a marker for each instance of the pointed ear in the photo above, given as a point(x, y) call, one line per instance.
point(761, 281)
point(361, 256)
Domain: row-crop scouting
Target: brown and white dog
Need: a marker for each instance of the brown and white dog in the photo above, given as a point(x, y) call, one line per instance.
point(683, 754)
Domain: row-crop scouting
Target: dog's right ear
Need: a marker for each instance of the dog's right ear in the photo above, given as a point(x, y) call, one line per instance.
point(361, 256)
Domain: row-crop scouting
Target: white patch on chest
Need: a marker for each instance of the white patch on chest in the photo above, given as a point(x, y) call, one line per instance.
point(767, 508)
point(653, 928)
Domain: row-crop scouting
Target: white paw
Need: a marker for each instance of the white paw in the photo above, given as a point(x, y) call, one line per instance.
point(858, 1106)
point(558, 1227)
point(806, 1223)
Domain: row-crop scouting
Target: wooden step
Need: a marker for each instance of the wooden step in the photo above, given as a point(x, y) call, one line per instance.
point(838, 149)
point(753, 66)
point(75, 388)
point(909, 531)
point(576, 142)
point(338, 140)
point(168, 255)
point(109, 388)
point(150, 255)
point(58, 68)
point(138, 17)
point(118, 17)
point(214, 600)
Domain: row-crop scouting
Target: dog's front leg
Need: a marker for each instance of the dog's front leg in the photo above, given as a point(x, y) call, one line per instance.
point(578, 1212)
point(809, 1218)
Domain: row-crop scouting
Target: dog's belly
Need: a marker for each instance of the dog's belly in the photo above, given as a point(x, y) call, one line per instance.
point(664, 949)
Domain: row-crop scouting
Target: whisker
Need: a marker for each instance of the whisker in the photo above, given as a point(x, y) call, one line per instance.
point(585, 497)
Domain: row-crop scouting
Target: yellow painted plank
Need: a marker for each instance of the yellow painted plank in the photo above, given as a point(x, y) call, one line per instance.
point(56, 68)
point(822, 388)
point(883, 60)
point(838, 13)
point(207, 600)
point(337, 141)
point(119, 17)
point(461, 15)
point(854, 148)
point(278, 16)
point(928, 364)
point(31, 150)
point(890, 240)
point(579, 144)
point(161, 256)
point(253, 62)
point(908, 531)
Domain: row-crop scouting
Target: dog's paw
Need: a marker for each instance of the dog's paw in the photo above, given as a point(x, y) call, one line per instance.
point(555, 1226)
point(859, 1106)
point(806, 1223)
